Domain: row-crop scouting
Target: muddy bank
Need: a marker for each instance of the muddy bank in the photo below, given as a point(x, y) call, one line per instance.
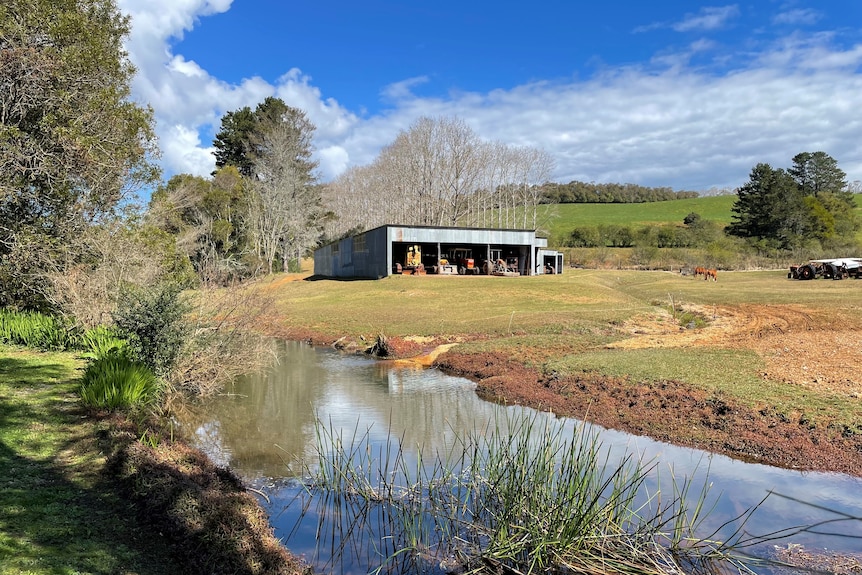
point(669, 411)
point(213, 524)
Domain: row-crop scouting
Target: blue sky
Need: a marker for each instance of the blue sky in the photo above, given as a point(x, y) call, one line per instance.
point(683, 94)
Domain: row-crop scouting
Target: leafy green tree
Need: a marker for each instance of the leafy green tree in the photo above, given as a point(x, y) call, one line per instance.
point(72, 143)
point(808, 202)
point(206, 219)
point(818, 172)
point(233, 141)
point(238, 141)
point(693, 220)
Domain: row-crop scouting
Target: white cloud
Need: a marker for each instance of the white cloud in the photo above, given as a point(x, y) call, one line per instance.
point(798, 16)
point(661, 124)
point(709, 18)
point(183, 153)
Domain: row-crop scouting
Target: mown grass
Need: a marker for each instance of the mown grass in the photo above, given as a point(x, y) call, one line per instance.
point(88, 494)
point(558, 220)
point(564, 322)
point(56, 513)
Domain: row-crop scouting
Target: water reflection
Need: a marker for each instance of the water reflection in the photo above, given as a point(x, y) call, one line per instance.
point(263, 427)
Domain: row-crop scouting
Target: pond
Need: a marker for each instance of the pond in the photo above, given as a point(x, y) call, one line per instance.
point(264, 427)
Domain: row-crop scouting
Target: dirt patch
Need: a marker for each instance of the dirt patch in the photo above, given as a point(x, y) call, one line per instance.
point(817, 350)
point(667, 410)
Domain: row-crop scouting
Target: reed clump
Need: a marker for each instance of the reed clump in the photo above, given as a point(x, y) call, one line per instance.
point(521, 496)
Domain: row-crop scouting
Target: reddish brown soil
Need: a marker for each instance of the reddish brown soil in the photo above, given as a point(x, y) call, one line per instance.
point(667, 410)
point(799, 347)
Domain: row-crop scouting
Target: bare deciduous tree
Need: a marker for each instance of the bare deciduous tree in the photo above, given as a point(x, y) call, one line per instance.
point(284, 205)
point(439, 172)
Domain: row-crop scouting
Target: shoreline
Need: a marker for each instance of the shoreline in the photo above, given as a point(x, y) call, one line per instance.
point(669, 411)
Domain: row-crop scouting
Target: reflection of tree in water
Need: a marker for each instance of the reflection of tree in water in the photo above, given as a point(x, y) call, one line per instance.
point(264, 423)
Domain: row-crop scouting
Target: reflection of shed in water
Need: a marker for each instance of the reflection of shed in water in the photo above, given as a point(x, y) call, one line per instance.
point(391, 250)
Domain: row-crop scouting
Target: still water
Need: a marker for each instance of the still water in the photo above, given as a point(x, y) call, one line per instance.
point(264, 428)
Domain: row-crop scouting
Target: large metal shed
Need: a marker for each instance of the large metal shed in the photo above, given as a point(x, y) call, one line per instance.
point(383, 251)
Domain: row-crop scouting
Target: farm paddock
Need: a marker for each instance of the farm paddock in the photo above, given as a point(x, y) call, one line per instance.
point(800, 348)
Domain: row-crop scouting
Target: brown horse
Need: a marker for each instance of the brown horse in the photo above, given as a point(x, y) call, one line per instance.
point(699, 271)
point(710, 274)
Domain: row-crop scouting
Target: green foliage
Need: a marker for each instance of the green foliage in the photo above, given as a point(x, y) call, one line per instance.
point(37, 330)
point(808, 203)
point(237, 142)
point(203, 222)
point(115, 382)
point(152, 319)
point(233, 143)
point(593, 193)
point(71, 141)
point(101, 342)
point(693, 219)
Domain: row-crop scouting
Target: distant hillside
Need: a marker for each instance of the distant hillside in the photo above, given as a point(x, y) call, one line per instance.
point(558, 220)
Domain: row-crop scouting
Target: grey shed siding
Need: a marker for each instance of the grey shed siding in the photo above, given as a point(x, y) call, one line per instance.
point(369, 255)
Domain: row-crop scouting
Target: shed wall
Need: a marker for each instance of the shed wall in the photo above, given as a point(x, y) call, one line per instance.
point(369, 255)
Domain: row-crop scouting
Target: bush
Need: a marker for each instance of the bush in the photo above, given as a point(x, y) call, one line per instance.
point(152, 319)
point(116, 382)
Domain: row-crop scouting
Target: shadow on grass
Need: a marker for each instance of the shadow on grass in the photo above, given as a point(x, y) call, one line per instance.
point(60, 513)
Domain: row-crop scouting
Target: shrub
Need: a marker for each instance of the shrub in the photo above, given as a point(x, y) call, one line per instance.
point(116, 382)
point(153, 321)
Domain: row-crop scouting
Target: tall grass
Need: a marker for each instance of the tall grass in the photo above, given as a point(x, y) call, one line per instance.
point(518, 497)
point(115, 382)
point(102, 341)
point(37, 330)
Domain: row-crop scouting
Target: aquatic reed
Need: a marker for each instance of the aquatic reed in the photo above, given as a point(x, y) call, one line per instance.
point(520, 496)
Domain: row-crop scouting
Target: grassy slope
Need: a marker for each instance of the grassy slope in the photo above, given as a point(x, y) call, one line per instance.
point(563, 322)
point(56, 514)
point(560, 219)
point(65, 508)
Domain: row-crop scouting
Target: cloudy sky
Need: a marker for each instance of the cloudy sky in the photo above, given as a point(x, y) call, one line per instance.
point(677, 93)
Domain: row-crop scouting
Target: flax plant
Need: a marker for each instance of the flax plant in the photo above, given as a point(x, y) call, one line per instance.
point(36, 330)
point(520, 496)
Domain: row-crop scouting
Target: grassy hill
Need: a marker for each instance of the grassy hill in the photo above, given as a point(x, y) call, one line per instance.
point(558, 220)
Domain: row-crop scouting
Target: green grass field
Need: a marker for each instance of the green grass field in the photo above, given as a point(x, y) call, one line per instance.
point(57, 515)
point(563, 323)
point(558, 220)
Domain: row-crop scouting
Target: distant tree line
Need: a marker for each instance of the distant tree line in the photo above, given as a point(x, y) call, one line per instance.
point(591, 193)
point(694, 232)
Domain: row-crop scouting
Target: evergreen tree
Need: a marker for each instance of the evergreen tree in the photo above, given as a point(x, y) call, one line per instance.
point(72, 144)
point(808, 202)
